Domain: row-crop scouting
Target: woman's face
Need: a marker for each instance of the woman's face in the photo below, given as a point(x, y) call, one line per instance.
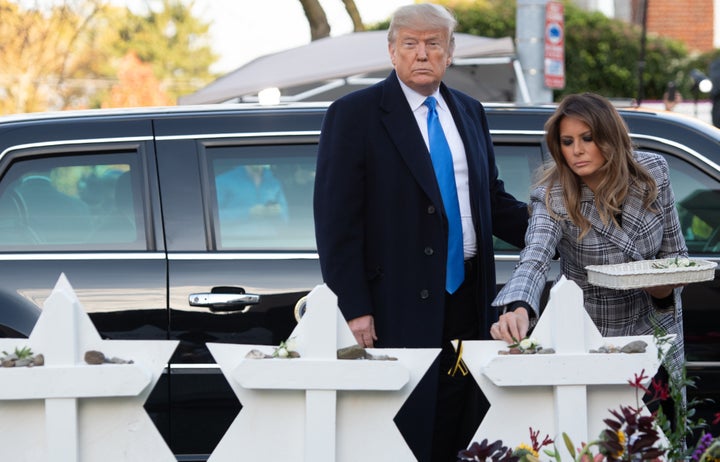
point(581, 153)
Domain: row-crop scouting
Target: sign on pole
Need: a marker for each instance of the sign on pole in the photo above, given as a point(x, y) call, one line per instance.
point(554, 45)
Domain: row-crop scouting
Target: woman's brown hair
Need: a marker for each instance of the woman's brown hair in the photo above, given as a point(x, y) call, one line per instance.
point(611, 136)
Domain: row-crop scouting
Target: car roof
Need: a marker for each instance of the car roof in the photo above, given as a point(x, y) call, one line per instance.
point(666, 127)
point(153, 111)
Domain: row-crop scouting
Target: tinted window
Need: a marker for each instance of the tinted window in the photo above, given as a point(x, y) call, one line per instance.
point(517, 165)
point(263, 197)
point(88, 202)
point(697, 197)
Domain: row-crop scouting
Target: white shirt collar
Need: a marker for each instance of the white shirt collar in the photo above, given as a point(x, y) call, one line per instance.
point(416, 100)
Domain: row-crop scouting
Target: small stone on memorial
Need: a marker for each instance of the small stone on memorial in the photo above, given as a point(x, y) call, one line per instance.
point(39, 360)
point(256, 354)
point(23, 362)
point(380, 357)
point(352, 352)
point(636, 346)
point(94, 357)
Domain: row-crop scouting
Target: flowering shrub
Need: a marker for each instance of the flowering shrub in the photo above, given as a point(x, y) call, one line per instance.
point(629, 436)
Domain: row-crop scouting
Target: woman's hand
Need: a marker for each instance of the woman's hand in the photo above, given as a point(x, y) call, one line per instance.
point(660, 292)
point(512, 326)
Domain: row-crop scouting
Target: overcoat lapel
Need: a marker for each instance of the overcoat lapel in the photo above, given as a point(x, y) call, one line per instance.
point(402, 129)
point(472, 142)
point(620, 237)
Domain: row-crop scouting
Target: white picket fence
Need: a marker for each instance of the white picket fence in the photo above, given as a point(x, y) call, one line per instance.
point(314, 408)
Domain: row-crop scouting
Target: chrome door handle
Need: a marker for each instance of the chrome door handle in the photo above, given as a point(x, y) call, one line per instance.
point(224, 301)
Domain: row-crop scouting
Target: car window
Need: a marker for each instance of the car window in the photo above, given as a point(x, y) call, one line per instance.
point(87, 202)
point(697, 198)
point(517, 165)
point(263, 197)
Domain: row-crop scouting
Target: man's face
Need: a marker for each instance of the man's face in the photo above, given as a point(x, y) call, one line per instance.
point(420, 58)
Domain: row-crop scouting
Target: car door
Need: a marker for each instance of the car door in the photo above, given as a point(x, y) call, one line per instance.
point(237, 202)
point(80, 205)
point(697, 198)
point(518, 155)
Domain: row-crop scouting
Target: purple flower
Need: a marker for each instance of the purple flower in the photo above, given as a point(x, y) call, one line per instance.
point(702, 446)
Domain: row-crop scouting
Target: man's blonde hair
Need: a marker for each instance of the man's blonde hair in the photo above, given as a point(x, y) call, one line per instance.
point(423, 16)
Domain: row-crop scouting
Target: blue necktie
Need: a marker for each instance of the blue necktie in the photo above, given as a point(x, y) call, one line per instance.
point(443, 165)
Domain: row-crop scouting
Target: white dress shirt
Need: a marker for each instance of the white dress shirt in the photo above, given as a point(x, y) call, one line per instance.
point(460, 165)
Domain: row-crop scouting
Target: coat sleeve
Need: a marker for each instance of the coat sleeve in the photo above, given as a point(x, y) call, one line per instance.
point(509, 215)
point(528, 279)
point(338, 209)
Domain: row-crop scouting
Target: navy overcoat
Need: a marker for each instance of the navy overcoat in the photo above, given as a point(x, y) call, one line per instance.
point(380, 224)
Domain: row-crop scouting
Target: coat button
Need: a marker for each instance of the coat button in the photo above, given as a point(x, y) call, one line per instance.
point(429, 251)
point(431, 209)
point(424, 294)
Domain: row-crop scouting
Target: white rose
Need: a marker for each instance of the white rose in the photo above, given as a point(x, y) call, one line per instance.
point(683, 262)
point(291, 344)
point(282, 352)
point(527, 343)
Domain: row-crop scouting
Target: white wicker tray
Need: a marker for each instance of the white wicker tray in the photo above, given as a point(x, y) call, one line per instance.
point(646, 273)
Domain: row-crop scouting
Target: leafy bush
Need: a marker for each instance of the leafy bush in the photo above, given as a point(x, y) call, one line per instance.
point(601, 54)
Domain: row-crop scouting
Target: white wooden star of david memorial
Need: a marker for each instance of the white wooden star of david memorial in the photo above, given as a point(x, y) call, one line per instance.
point(570, 391)
point(317, 408)
point(67, 410)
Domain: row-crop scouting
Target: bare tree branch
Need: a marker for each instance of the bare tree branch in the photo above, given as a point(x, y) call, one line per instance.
point(319, 26)
point(354, 14)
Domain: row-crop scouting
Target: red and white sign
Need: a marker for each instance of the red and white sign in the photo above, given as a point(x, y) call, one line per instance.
point(554, 45)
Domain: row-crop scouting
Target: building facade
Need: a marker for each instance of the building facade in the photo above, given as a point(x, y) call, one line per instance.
point(694, 22)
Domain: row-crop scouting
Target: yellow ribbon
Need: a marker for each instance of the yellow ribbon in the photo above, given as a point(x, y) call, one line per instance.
point(459, 364)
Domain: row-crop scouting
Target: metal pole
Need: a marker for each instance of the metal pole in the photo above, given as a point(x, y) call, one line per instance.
point(530, 43)
point(641, 60)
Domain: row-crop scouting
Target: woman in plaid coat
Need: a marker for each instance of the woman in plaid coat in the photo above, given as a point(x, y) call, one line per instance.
point(599, 203)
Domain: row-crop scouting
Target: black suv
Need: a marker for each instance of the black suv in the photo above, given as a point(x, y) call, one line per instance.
point(195, 223)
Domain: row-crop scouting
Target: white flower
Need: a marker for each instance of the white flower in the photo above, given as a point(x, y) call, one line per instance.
point(282, 352)
point(683, 262)
point(291, 344)
point(528, 343)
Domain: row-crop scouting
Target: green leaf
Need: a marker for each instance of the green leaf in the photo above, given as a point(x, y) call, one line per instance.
point(569, 444)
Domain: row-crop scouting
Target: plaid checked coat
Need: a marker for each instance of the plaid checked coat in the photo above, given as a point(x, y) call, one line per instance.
point(644, 235)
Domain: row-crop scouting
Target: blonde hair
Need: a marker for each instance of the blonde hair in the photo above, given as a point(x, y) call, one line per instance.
point(620, 170)
point(423, 16)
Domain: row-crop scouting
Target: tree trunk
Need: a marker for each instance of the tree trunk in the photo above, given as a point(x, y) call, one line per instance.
point(352, 10)
point(319, 26)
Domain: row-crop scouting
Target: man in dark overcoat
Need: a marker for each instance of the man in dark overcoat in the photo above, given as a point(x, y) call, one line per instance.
point(382, 224)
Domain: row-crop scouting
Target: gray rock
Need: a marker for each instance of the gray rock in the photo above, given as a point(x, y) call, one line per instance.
point(256, 354)
point(24, 362)
point(358, 352)
point(636, 346)
point(352, 352)
point(94, 357)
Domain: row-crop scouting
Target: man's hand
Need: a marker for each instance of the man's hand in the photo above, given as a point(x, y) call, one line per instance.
point(511, 326)
point(363, 328)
